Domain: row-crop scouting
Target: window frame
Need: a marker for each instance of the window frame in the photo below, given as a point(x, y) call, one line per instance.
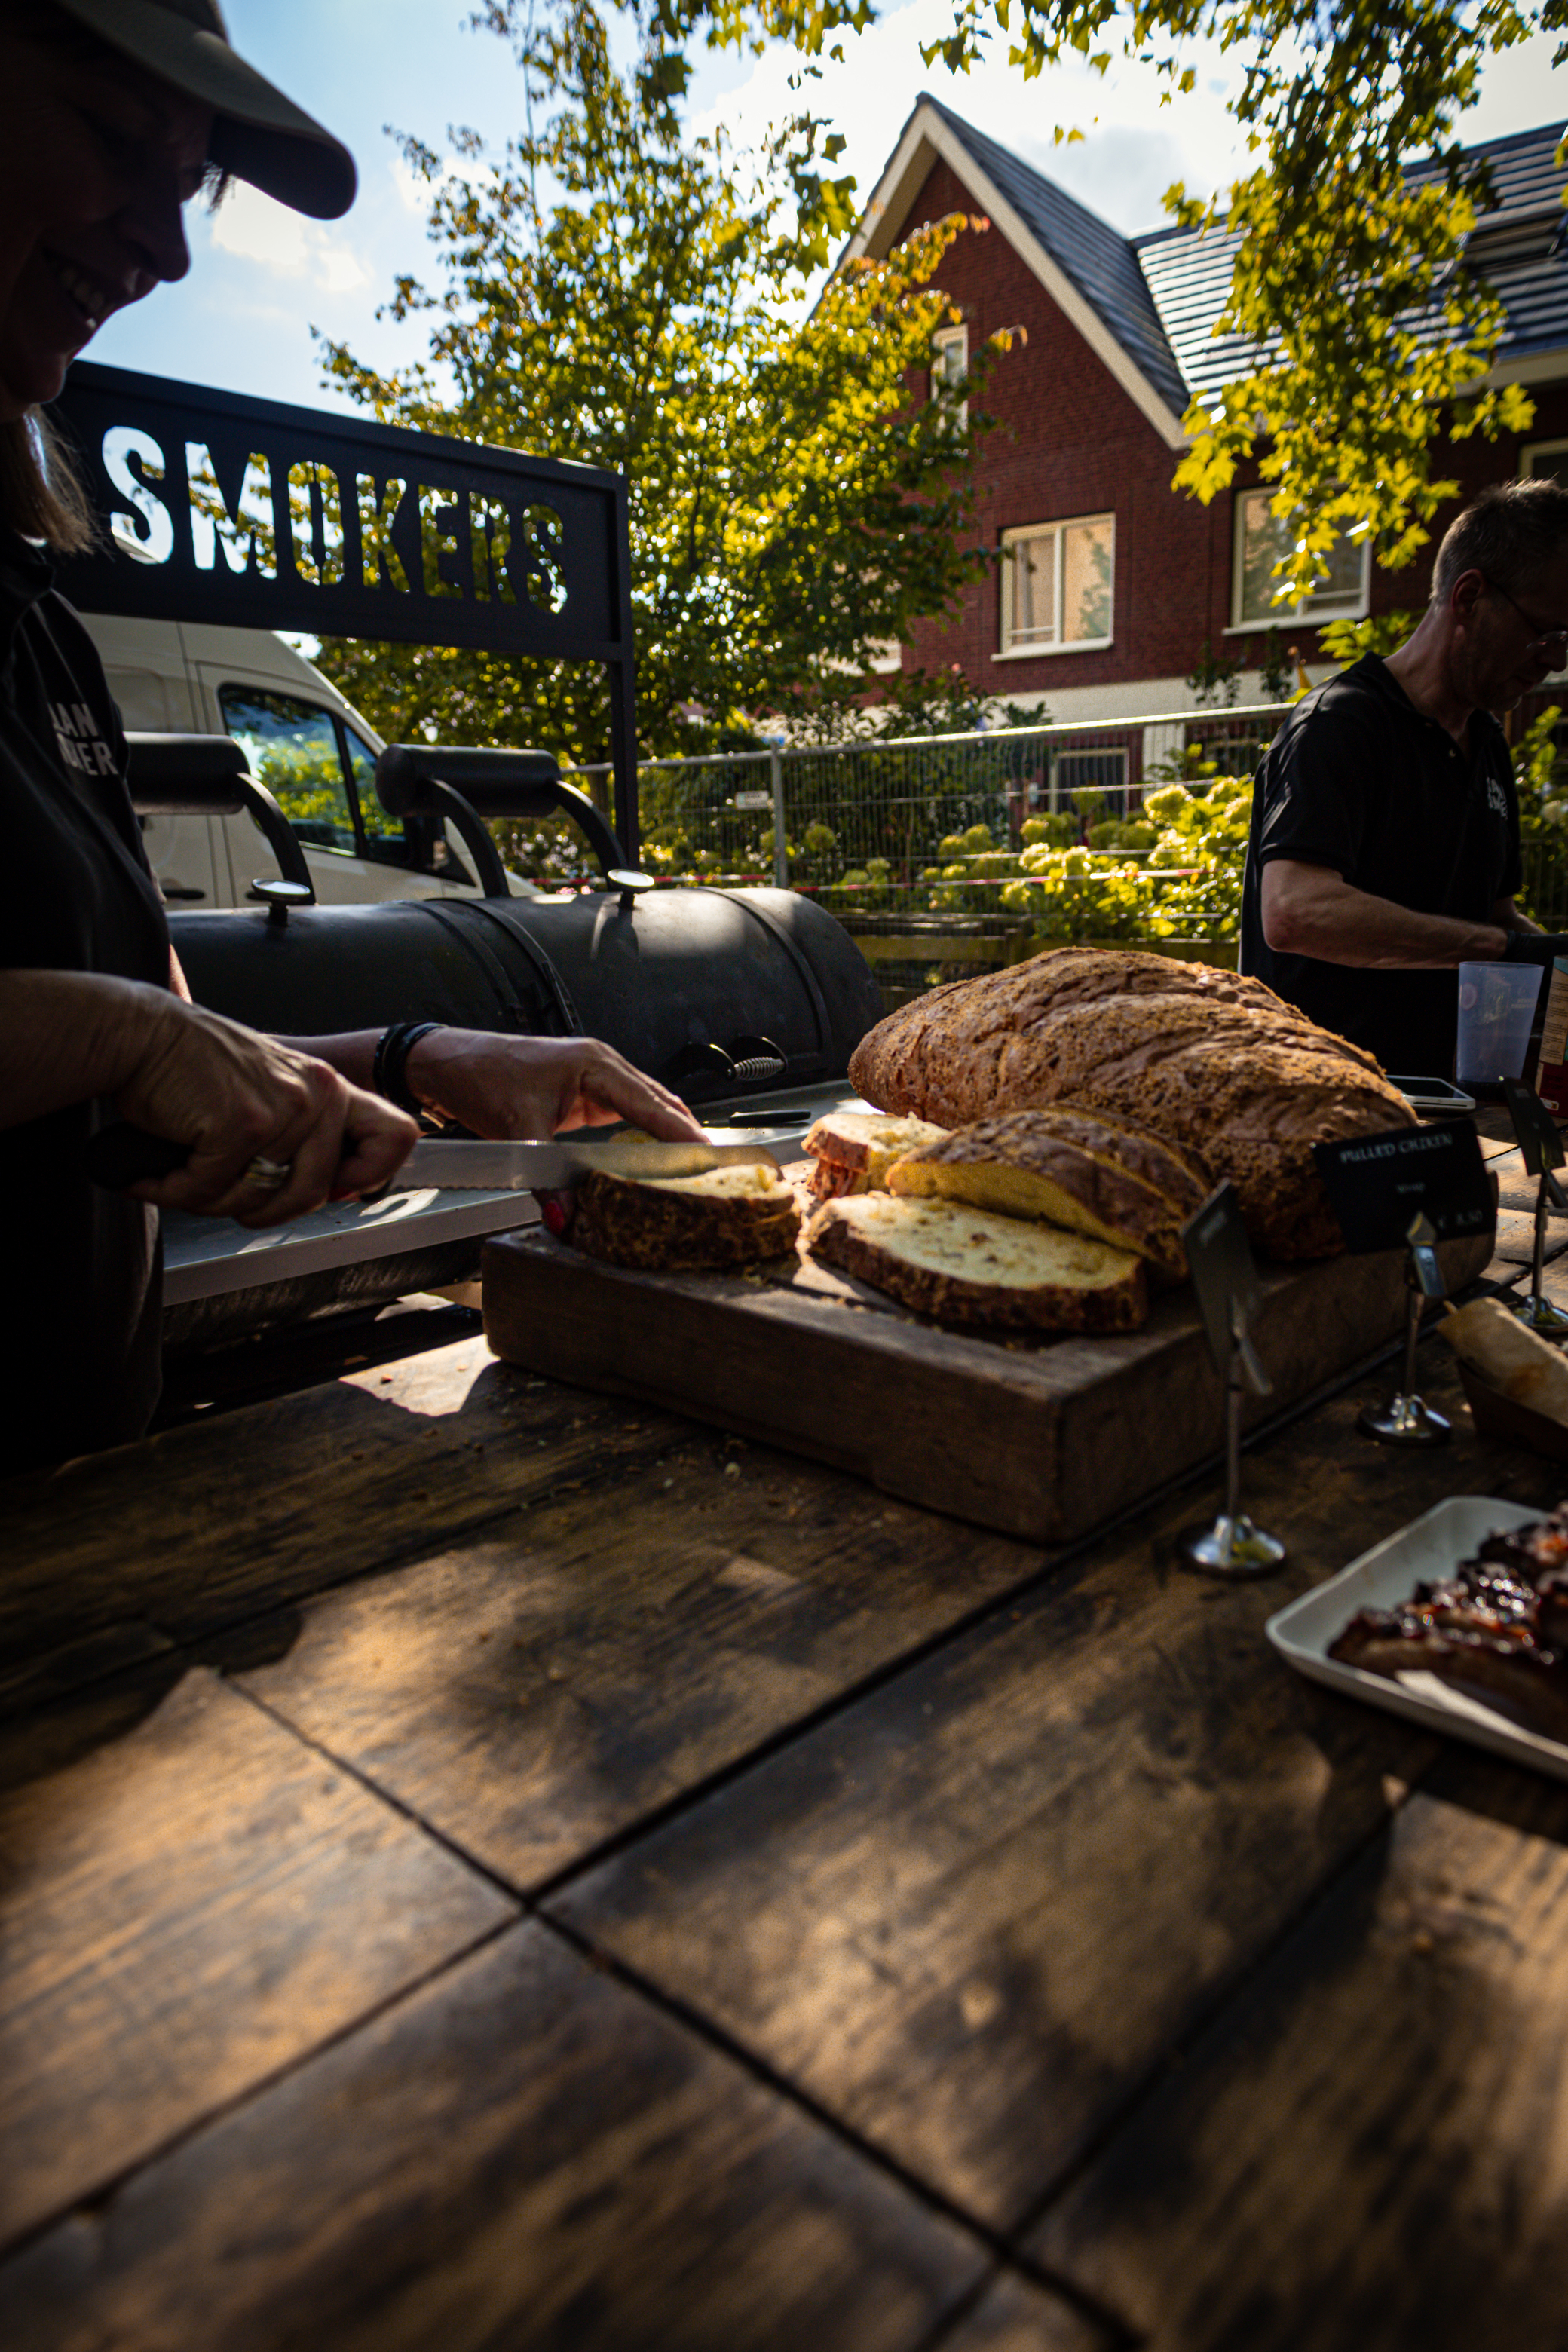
point(942, 341)
point(1010, 539)
point(345, 771)
point(1295, 616)
point(1530, 450)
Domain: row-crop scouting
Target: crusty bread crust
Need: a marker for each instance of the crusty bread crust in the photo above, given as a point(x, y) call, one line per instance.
point(1072, 1169)
point(661, 1229)
point(960, 1266)
point(1219, 1066)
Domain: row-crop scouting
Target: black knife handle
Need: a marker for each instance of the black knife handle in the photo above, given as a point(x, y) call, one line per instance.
point(123, 1155)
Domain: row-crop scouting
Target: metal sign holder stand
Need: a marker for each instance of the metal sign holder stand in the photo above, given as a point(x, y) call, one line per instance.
point(1406, 1419)
point(1225, 1280)
point(1233, 1546)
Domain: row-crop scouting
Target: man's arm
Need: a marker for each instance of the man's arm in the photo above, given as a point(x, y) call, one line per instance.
point(1310, 910)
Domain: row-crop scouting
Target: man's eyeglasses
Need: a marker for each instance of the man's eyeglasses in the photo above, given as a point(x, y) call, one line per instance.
point(1551, 643)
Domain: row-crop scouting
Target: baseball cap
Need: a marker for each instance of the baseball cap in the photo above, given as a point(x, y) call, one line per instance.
point(259, 135)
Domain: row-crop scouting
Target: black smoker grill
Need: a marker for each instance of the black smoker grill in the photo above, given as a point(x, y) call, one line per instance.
point(712, 991)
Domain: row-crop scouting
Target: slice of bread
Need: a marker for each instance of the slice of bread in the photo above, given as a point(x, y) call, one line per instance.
point(960, 1266)
point(855, 1149)
point(1094, 1176)
point(1509, 1356)
point(724, 1217)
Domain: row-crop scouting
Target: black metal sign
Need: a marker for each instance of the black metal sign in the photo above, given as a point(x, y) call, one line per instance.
point(1539, 1139)
point(1224, 1271)
point(1379, 1183)
point(219, 508)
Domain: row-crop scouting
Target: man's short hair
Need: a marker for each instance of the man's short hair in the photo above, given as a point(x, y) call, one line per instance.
point(1506, 534)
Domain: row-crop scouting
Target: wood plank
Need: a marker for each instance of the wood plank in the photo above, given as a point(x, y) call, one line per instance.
point(522, 2154)
point(1016, 2315)
point(1516, 1215)
point(189, 1899)
point(1041, 1438)
point(205, 1525)
point(534, 1694)
point(972, 1911)
point(1370, 2148)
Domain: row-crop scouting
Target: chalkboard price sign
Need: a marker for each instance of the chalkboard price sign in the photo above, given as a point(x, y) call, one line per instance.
point(1379, 1183)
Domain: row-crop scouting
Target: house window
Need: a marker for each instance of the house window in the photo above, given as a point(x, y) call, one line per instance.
point(1261, 539)
point(950, 369)
point(1057, 585)
point(1545, 461)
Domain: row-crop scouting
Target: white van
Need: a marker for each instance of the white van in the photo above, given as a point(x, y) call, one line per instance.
point(305, 743)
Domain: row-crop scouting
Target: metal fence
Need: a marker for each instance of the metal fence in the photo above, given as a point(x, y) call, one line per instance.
point(915, 842)
point(811, 816)
point(1543, 892)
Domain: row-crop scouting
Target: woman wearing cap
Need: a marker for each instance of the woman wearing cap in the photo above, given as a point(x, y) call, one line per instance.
point(113, 114)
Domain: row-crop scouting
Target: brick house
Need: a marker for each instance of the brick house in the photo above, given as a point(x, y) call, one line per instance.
point(1112, 580)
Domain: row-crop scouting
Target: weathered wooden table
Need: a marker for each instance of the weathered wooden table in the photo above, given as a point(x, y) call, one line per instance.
point(486, 1866)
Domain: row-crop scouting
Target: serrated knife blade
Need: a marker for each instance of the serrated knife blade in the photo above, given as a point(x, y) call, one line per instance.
point(489, 1166)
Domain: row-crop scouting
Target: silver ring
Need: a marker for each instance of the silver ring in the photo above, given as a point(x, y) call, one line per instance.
point(268, 1175)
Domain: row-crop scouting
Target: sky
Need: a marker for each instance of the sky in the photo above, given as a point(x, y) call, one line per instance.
point(262, 278)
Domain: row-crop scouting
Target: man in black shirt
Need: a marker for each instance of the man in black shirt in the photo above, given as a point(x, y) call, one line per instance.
point(1385, 844)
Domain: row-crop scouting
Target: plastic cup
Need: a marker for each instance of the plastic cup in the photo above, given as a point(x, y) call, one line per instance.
point(1496, 1005)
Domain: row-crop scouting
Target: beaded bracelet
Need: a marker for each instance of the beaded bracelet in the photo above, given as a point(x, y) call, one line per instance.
point(390, 1061)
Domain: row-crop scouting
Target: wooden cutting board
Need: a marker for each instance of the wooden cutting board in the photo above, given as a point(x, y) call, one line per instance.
point(1043, 1438)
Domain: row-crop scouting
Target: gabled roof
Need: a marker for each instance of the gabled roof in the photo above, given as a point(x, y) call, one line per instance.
point(1098, 259)
point(1147, 304)
point(1088, 268)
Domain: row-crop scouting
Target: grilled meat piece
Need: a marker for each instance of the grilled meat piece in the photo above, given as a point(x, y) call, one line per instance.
point(1496, 1630)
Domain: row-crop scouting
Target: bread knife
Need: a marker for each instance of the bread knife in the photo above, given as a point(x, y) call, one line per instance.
point(486, 1167)
point(122, 1155)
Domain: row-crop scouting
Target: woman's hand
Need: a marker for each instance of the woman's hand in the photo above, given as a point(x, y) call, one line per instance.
point(529, 1088)
point(234, 1095)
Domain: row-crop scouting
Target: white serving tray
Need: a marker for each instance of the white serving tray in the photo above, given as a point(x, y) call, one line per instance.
point(1430, 1547)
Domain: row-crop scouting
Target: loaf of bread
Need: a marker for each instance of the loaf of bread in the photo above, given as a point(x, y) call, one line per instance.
point(1218, 1067)
point(1069, 1167)
point(961, 1266)
point(1509, 1356)
point(727, 1216)
point(855, 1149)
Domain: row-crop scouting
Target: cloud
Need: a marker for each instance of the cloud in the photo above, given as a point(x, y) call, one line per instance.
point(253, 227)
point(1132, 146)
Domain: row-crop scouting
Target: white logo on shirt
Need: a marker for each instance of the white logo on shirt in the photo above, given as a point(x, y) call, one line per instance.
point(80, 745)
point(1497, 799)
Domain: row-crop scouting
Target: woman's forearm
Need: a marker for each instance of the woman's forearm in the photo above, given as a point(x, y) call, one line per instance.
point(349, 1052)
point(67, 1037)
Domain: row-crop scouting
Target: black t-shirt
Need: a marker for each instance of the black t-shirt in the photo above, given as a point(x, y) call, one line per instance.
point(83, 1286)
point(1359, 779)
